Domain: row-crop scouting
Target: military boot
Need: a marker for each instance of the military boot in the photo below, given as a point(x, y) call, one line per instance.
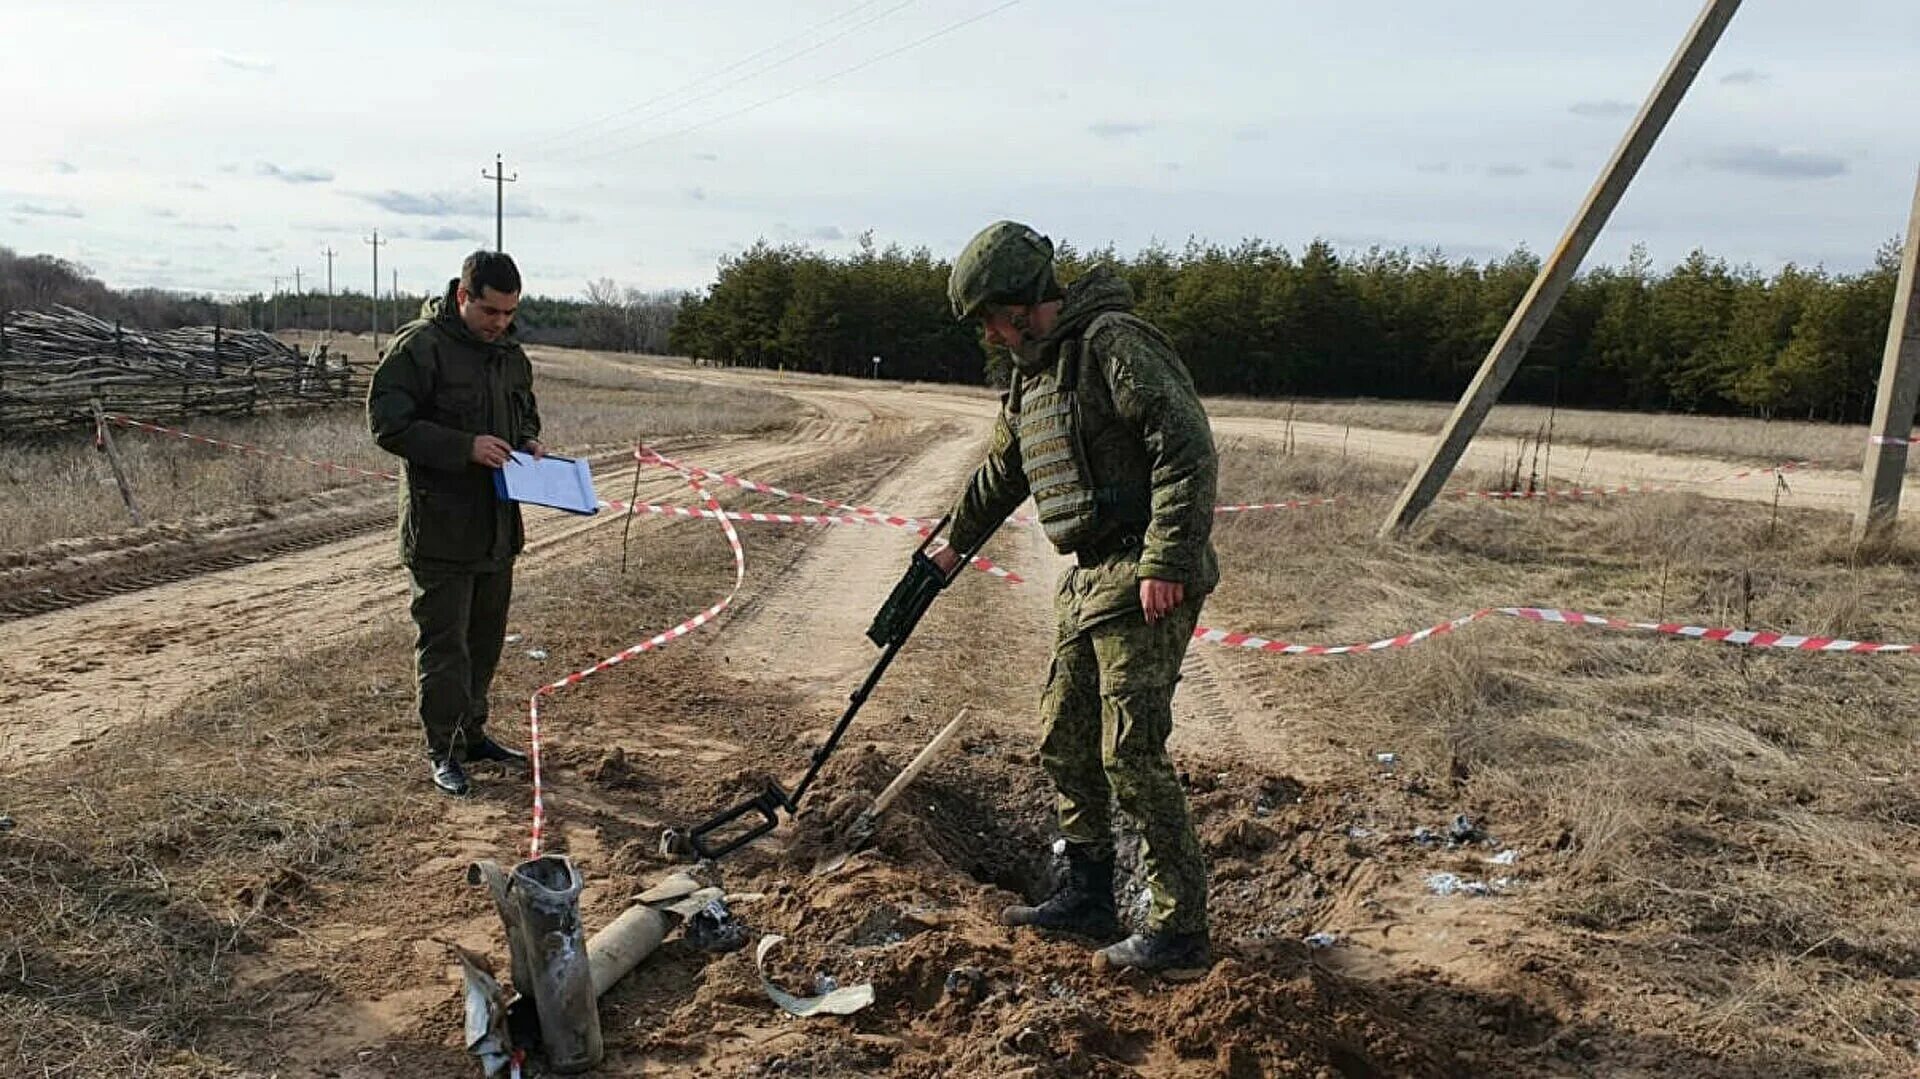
point(1173, 955)
point(1082, 903)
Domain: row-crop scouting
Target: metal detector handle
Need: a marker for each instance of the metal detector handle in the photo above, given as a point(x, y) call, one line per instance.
point(767, 803)
point(917, 589)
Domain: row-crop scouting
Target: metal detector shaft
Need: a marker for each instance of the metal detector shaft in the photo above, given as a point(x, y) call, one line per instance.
point(892, 625)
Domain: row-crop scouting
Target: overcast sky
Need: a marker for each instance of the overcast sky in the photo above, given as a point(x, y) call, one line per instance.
point(209, 145)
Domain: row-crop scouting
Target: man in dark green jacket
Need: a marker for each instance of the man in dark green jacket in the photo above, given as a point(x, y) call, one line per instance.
point(453, 397)
point(1103, 428)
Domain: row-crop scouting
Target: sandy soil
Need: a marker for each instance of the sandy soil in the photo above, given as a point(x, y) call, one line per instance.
point(682, 734)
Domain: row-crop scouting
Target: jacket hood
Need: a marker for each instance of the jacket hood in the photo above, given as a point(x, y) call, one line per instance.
point(1092, 294)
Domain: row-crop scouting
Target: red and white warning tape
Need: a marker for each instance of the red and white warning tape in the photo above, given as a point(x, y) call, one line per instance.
point(243, 447)
point(918, 525)
point(643, 456)
point(744, 483)
point(1557, 616)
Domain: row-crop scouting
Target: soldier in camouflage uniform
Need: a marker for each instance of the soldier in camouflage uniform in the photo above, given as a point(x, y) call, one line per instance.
point(1103, 428)
point(453, 397)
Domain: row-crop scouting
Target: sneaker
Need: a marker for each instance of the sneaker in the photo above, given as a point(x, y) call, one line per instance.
point(1179, 956)
point(486, 749)
point(1082, 903)
point(448, 775)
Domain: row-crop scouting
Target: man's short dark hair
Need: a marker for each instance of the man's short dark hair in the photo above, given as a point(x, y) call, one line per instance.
point(489, 270)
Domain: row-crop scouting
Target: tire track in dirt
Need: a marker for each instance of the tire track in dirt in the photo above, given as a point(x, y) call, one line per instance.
point(71, 675)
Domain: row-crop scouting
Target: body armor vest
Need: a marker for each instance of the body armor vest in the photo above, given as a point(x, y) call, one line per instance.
point(1053, 448)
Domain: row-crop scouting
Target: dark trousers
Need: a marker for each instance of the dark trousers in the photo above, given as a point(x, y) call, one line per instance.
point(462, 623)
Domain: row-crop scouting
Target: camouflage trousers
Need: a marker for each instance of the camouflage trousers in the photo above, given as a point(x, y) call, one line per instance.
point(1107, 712)
point(461, 617)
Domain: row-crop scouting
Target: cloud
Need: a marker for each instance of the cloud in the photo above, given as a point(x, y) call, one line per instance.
point(41, 209)
point(1433, 167)
point(447, 204)
point(209, 226)
point(1170, 166)
point(706, 157)
point(229, 168)
point(1506, 171)
point(293, 176)
point(1600, 109)
point(446, 234)
point(1250, 134)
point(1113, 129)
point(826, 233)
point(65, 168)
point(193, 185)
point(697, 194)
point(1746, 76)
point(1774, 163)
point(160, 211)
point(254, 64)
point(1559, 164)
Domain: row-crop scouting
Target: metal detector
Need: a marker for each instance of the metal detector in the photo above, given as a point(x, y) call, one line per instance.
point(891, 627)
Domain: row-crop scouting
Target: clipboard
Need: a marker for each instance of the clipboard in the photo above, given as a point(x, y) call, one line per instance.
point(560, 482)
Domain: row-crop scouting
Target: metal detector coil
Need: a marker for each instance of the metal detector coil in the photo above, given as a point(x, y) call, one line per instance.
point(892, 625)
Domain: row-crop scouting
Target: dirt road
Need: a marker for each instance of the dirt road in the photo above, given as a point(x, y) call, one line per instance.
point(755, 694)
point(71, 674)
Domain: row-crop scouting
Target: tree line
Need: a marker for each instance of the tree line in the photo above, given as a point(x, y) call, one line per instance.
point(1257, 319)
point(609, 318)
point(1252, 318)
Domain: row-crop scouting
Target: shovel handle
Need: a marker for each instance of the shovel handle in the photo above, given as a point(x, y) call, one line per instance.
point(918, 765)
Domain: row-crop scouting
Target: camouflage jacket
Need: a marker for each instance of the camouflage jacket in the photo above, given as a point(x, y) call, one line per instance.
point(1142, 428)
point(437, 387)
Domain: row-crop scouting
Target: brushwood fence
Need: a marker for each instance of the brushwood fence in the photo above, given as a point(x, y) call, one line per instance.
point(55, 363)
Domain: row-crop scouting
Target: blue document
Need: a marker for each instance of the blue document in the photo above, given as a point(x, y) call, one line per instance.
point(561, 482)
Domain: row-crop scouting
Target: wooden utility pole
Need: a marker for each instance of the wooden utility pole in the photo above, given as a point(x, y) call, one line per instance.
point(330, 253)
point(1885, 467)
point(1559, 269)
point(373, 297)
point(394, 295)
point(500, 180)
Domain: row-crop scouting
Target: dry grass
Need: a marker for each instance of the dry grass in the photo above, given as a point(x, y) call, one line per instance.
point(60, 489)
point(1719, 437)
point(1733, 830)
point(150, 873)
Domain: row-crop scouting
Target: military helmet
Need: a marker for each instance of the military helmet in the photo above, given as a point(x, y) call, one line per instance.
point(1006, 263)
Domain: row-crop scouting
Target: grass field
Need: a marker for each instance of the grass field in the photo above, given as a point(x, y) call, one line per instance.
point(63, 489)
point(1721, 437)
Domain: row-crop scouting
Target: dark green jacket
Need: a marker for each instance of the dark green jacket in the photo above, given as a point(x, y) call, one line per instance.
point(437, 387)
point(1144, 434)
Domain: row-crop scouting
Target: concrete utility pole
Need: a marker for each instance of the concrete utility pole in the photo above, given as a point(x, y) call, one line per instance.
point(373, 297)
point(296, 280)
point(1558, 271)
point(500, 180)
point(330, 253)
point(1885, 467)
point(394, 294)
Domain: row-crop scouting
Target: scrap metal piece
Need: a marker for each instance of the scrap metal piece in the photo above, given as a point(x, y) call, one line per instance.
point(842, 1001)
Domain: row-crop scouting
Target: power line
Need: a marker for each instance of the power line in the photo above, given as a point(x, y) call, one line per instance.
point(331, 254)
point(842, 73)
point(735, 66)
point(373, 298)
point(755, 73)
point(500, 180)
